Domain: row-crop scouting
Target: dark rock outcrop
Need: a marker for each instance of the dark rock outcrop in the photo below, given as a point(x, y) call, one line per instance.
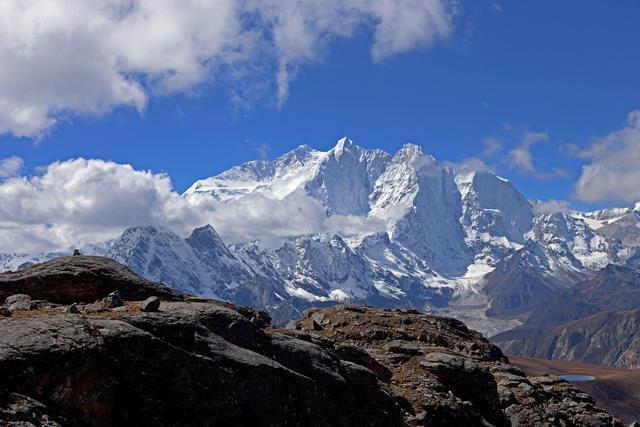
point(150, 304)
point(80, 279)
point(451, 375)
point(202, 363)
point(113, 300)
point(193, 362)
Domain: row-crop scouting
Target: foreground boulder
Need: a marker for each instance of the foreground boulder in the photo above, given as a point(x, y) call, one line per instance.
point(18, 302)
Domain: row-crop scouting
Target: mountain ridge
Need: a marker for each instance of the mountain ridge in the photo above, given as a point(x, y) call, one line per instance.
point(450, 236)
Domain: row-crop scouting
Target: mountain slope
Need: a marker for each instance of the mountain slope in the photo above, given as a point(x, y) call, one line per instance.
point(607, 338)
point(595, 321)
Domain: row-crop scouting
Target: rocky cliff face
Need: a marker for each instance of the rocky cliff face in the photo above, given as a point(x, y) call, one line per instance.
point(186, 361)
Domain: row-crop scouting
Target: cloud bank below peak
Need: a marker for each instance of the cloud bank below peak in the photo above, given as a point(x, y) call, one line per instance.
point(63, 58)
point(79, 201)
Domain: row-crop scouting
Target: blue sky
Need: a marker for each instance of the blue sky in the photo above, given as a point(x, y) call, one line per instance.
point(569, 69)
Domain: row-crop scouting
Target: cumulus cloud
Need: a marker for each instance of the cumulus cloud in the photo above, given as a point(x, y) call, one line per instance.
point(83, 201)
point(613, 172)
point(11, 166)
point(62, 58)
point(469, 165)
point(80, 201)
point(521, 157)
point(272, 220)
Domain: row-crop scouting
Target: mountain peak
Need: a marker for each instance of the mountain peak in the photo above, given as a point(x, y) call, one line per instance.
point(344, 144)
point(302, 151)
point(344, 141)
point(412, 154)
point(411, 151)
point(147, 230)
point(206, 230)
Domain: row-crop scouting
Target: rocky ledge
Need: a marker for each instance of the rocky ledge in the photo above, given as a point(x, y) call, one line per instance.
point(115, 355)
point(80, 279)
point(449, 374)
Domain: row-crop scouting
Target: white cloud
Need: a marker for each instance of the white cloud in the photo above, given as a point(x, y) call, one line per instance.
point(416, 24)
point(256, 217)
point(11, 166)
point(87, 201)
point(80, 201)
point(64, 58)
point(469, 166)
point(613, 173)
point(552, 206)
point(521, 158)
point(492, 146)
point(263, 151)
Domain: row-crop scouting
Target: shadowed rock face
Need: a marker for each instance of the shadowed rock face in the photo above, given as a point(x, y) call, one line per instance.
point(203, 362)
point(80, 279)
point(192, 362)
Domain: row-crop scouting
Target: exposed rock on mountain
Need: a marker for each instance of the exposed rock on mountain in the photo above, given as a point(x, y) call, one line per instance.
point(612, 288)
point(521, 282)
point(611, 338)
point(595, 321)
point(560, 251)
point(205, 362)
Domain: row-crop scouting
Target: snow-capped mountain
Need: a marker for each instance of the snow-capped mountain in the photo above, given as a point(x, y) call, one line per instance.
point(201, 264)
point(449, 217)
point(451, 226)
point(449, 238)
